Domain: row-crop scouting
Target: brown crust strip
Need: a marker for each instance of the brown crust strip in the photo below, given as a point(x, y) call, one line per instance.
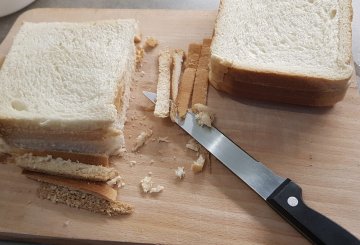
point(101, 190)
point(201, 83)
point(98, 160)
point(185, 90)
point(194, 51)
point(187, 79)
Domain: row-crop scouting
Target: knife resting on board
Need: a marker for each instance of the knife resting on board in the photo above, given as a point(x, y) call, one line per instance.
point(282, 194)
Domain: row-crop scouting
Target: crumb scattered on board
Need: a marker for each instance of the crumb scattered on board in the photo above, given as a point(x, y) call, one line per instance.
point(203, 115)
point(147, 185)
point(151, 42)
point(117, 181)
point(180, 172)
point(141, 139)
point(163, 139)
point(198, 165)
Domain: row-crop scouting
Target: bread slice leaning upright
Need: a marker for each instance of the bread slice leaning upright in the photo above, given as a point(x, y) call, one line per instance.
point(65, 86)
point(287, 51)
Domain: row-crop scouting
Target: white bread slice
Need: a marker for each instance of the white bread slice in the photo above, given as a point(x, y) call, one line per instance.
point(299, 51)
point(68, 78)
point(66, 168)
point(95, 197)
point(162, 105)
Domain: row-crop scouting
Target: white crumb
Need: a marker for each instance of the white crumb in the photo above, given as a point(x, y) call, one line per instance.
point(150, 173)
point(192, 145)
point(198, 165)
point(180, 172)
point(141, 139)
point(203, 115)
point(132, 163)
point(66, 223)
point(146, 184)
point(152, 161)
point(163, 139)
point(118, 181)
point(151, 42)
point(157, 189)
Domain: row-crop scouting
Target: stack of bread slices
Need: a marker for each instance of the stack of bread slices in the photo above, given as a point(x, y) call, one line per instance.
point(63, 100)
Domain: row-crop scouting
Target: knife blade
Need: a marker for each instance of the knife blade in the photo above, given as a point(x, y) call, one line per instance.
point(282, 194)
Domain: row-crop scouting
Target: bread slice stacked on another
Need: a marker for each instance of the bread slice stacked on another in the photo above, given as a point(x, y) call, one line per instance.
point(295, 51)
point(65, 89)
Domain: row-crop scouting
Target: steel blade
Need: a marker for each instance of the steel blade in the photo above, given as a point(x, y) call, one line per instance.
point(261, 179)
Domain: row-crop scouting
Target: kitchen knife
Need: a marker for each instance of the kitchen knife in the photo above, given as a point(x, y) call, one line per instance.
point(282, 194)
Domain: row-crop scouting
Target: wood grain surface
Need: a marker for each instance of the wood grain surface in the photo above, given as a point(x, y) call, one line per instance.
point(317, 148)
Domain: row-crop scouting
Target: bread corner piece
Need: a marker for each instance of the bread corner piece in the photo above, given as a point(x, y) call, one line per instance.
point(95, 197)
point(66, 86)
point(302, 57)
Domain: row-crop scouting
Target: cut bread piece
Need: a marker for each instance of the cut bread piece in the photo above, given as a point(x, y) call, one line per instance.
point(291, 51)
point(99, 160)
point(69, 82)
point(65, 168)
point(95, 197)
point(201, 82)
point(162, 105)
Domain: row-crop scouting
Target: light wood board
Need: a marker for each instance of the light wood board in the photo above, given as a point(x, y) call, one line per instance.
point(317, 148)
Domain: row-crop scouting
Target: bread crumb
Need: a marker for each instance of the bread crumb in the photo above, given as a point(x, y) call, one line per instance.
point(174, 157)
point(192, 145)
point(66, 223)
point(203, 115)
point(151, 161)
point(141, 139)
point(118, 181)
point(150, 173)
point(151, 42)
point(142, 73)
point(163, 139)
point(132, 163)
point(147, 183)
point(137, 38)
point(180, 173)
point(157, 189)
point(198, 165)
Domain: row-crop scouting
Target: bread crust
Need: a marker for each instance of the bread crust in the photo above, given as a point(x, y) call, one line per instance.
point(286, 87)
point(98, 160)
point(101, 190)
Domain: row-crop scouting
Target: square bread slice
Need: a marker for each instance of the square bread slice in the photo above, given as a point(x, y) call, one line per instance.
point(296, 51)
point(65, 86)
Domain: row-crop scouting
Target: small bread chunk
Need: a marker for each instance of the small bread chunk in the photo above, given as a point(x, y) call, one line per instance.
point(141, 139)
point(117, 181)
point(198, 165)
point(137, 38)
point(162, 105)
point(180, 172)
point(203, 115)
point(151, 43)
point(83, 200)
point(66, 168)
point(147, 185)
point(163, 139)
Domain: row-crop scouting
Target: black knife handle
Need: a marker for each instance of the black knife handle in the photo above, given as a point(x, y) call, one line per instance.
point(287, 200)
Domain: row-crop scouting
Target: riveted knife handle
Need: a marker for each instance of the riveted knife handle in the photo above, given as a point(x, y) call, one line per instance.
point(287, 200)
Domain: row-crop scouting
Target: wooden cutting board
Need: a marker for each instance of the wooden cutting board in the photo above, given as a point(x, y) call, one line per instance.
point(317, 148)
